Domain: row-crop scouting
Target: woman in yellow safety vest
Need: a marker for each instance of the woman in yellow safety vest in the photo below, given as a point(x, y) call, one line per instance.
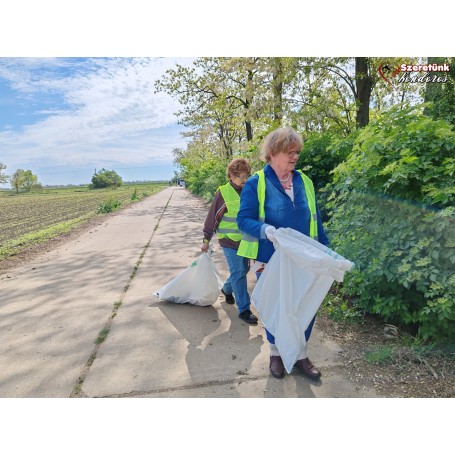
point(278, 196)
point(221, 219)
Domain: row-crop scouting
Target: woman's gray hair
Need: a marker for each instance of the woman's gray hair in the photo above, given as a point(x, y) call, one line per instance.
point(279, 141)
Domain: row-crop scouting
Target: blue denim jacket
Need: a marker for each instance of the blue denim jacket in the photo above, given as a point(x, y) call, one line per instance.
point(280, 211)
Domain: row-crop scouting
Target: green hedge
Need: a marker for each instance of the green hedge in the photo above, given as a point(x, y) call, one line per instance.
point(203, 178)
point(392, 213)
point(322, 152)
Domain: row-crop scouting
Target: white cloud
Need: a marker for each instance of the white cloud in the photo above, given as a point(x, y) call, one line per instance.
point(109, 111)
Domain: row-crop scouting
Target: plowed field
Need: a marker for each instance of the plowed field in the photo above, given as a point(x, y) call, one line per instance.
point(27, 218)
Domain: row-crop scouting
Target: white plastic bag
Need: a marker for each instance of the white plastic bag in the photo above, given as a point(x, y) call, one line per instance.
point(293, 286)
point(199, 284)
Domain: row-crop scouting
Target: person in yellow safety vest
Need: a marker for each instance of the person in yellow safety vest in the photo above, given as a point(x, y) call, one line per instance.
point(278, 196)
point(221, 219)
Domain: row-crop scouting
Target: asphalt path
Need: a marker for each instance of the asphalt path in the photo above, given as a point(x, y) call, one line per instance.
point(82, 321)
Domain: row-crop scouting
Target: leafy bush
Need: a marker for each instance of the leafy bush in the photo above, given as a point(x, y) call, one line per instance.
point(403, 154)
point(106, 179)
point(339, 309)
point(321, 154)
point(442, 96)
point(109, 206)
point(134, 196)
point(204, 178)
point(392, 213)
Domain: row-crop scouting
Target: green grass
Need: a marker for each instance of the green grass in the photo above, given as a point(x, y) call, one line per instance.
point(18, 244)
point(109, 206)
point(102, 335)
point(379, 355)
point(32, 218)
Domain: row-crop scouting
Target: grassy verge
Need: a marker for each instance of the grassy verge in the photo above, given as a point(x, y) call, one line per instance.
point(17, 245)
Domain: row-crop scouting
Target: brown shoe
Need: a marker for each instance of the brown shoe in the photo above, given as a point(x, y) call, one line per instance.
point(276, 366)
point(307, 368)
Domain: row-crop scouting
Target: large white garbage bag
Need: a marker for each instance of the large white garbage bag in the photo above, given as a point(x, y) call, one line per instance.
point(293, 286)
point(199, 284)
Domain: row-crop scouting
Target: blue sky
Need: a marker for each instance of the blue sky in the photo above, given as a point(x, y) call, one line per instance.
point(62, 118)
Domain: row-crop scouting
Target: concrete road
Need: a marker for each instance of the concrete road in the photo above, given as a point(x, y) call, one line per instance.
point(81, 320)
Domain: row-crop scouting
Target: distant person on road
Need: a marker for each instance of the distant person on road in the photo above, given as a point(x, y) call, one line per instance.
point(278, 196)
point(221, 218)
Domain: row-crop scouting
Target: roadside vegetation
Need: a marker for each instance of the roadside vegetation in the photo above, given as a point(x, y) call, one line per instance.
point(30, 218)
point(385, 357)
point(380, 148)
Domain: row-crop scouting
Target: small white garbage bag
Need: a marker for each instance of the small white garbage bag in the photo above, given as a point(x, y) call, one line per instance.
point(292, 287)
point(199, 284)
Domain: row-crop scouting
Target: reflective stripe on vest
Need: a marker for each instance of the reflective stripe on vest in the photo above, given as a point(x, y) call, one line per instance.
point(228, 224)
point(249, 246)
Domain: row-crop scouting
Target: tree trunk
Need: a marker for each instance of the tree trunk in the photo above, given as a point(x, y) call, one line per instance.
point(247, 105)
point(432, 91)
point(364, 86)
point(277, 90)
point(249, 131)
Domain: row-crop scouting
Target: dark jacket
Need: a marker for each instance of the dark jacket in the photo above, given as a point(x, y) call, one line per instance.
point(216, 212)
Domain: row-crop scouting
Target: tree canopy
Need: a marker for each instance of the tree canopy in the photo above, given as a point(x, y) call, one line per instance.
point(3, 177)
point(106, 179)
point(230, 104)
point(24, 180)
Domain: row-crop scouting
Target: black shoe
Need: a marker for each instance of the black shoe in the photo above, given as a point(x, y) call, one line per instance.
point(229, 298)
point(276, 366)
point(248, 317)
point(307, 368)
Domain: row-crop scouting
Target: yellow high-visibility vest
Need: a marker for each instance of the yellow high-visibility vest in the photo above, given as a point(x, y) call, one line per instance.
point(228, 224)
point(249, 246)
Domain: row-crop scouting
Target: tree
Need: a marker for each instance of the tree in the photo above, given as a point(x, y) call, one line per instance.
point(17, 179)
point(230, 103)
point(320, 96)
point(207, 110)
point(106, 179)
point(24, 180)
point(364, 82)
point(3, 177)
point(30, 181)
point(225, 98)
point(341, 93)
point(360, 84)
point(441, 95)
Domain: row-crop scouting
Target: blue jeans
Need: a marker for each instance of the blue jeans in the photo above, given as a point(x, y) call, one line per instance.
point(271, 338)
point(236, 282)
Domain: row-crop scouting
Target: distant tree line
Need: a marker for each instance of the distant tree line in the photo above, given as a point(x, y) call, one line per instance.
point(25, 180)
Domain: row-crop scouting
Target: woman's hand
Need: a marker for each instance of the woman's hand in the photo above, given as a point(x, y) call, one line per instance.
point(270, 233)
point(204, 247)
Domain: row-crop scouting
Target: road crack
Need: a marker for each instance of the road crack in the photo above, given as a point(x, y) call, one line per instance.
point(77, 391)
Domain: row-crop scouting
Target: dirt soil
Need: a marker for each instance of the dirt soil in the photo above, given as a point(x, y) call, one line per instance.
point(401, 370)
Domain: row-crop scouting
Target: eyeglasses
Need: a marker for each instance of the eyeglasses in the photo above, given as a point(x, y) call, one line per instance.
point(242, 177)
point(292, 153)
